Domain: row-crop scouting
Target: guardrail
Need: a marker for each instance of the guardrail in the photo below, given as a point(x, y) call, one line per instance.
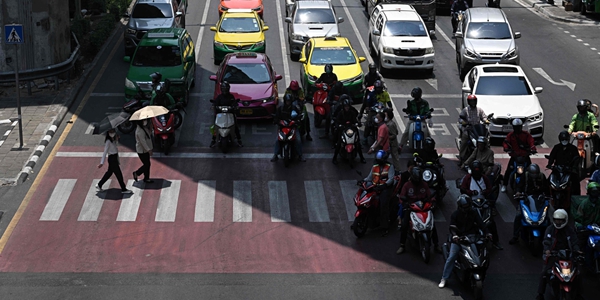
point(49, 71)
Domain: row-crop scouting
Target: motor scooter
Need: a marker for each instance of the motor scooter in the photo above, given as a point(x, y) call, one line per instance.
point(475, 131)
point(421, 226)
point(585, 146)
point(593, 244)
point(320, 104)
point(533, 221)
point(564, 273)
point(496, 3)
point(225, 126)
point(560, 185)
point(517, 176)
point(288, 133)
point(473, 259)
point(367, 208)
point(433, 172)
point(349, 141)
point(164, 131)
point(457, 16)
point(417, 131)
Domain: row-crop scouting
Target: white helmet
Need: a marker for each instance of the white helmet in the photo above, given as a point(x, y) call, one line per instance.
point(517, 122)
point(561, 218)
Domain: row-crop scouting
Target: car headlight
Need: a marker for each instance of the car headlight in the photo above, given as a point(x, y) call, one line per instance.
point(512, 53)
point(297, 37)
point(312, 78)
point(536, 117)
point(218, 45)
point(429, 50)
point(270, 99)
point(259, 44)
point(471, 53)
point(388, 50)
point(129, 84)
point(131, 31)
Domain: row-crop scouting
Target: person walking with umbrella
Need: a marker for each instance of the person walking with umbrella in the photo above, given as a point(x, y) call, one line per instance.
point(110, 149)
point(143, 147)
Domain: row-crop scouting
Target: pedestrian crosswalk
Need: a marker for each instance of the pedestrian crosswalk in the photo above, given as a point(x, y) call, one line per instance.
point(317, 201)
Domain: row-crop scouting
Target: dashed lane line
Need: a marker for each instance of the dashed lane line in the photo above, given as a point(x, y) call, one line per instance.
point(286, 67)
point(201, 32)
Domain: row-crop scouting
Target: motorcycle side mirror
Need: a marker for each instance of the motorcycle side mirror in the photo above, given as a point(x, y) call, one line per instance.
point(596, 126)
point(212, 100)
point(547, 156)
point(458, 34)
point(566, 126)
point(431, 110)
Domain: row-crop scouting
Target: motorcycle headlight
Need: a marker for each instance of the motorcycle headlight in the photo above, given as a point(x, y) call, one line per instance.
point(595, 228)
point(591, 242)
point(536, 117)
point(259, 44)
point(512, 53)
point(470, 53)
point(129, 84)
point(388, 50)
point(160, 129)
point(528, 218)
point(520, 170)
point(131, 31)
point(427, 175)
point(429, 50)
point(218, 44)
point(543, 216)
point(168, 128)
point(566, 274)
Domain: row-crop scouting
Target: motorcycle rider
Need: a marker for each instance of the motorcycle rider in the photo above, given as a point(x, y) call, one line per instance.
point(227, 99)
point(417, 106)
point(328, 76)
point(156, 78)
point(382, 176)
point(467, 221)
point(287, 111)
point(347, 114)
point(484, 155)
point(596, 175)
point(372, 76)
point(162, 98)
point(378, 95)
point(475, 185)
point(588, 213)
point(337, 91)
point(518, 143)
point(457, 5)
point(415, 190)
point(469, 116)
point(563, 154)
point(298, 94)
point(561, 236)
point(585, 120)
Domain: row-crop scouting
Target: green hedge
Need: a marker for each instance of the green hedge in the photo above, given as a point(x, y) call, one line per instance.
point(102, 31)
point(118, 7)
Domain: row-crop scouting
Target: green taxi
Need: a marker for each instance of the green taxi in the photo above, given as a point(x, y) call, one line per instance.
point(169, 51)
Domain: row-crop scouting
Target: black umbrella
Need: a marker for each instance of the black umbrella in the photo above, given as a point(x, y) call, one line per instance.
point(110, 122)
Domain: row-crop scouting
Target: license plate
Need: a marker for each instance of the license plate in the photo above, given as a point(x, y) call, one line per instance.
point(245, 111)
point(409, 61)
point(506, 128)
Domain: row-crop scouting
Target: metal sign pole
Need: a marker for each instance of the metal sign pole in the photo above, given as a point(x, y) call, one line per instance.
point(18, 97)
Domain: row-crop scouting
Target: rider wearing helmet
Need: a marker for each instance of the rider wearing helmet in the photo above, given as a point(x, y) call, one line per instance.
point(382, 176)
point(566, 154)
point(428, 153)
point(457, 5)
point(372, 76)
point(346, 118)
point(535, 182)
point(588, 213)
point(226, 99)
point(288, 111)
point(469, 116)
point(156, 78)
point(483, 154)
point(328, 77)
point(518, 143)
point(298, 95)
point(560, 236)
point(467, 221)
point(584, 120)
point(162, 98)
point(415, 190)
point(417, 106)
point(372, 100)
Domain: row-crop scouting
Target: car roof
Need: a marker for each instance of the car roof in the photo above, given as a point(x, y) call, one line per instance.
point(313, 4)
point(487, 14)
point(322, 42)
point(162, 36)
point(245, 58)
point(499, 70)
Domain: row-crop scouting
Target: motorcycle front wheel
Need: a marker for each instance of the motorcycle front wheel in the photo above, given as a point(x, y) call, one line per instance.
point(477, 286)
point(166, 146)
point(127, 127)
point(287, 155)
point(359, 226)
point(536, 246)
point(224, 143)
point(318, 120)
point(425, 248)
point(177, 119)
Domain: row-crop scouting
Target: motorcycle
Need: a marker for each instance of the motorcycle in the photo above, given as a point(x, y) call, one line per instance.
point(473, 260)
point(585, 146)
point(517, 176)
point(496, 3)
point(130, 107)
point(421, 226)
point(286, 137)
point(475, 131)
point(225, 126)
point(563, 274)
point(456, 18)
point(417, 132)
point(560, 185)
point(320, 105)
point(367, 208)
point(533, 221)
point(432, 173)
point(164, 131)
point(349, 141)
point(593, 243)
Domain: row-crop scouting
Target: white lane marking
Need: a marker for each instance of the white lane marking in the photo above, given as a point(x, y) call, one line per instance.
point(586, 44)
point(349, 189)
point(242, 201)
point(93, 202)
point(432, 82)
point(201, 32)
point(593, 49)
point(58, 200)
point(167, 203)
point(5, 121)
point(286, 67)
point(567, 31)
point(438, 29)
point(573, 36)
point(90, 129)
point(315, 201)
point(7, 133)
point(543, 73)
point(130, 205)
point(579, 40)
point(205, 201)
point(439, 112)
point(279, 201)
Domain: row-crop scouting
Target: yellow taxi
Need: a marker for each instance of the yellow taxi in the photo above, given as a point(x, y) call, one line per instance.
point(338, 52)
point(238, 30)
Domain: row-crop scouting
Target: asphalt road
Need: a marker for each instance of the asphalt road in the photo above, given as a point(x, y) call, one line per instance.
point(215, 226)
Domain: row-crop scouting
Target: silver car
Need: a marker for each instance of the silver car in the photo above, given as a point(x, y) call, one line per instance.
point(484, 36)
point(151, 14)
point(310, 19)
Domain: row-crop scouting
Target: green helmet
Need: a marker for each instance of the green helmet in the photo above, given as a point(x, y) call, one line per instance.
point(593, 190)
point(593, 185)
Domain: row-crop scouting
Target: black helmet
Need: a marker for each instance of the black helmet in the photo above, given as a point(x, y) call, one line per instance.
point(156, 76)
point(372, 68)
point(517, 125)
point(328, 68)
point(416, 175)
point(583, 105)
point(338, 86)
point(593, 191)
point(288, 98)
point(463, 203)
point(345, 100)
point(563, 136)
point(378, 86)
point(225, 87)
point(429, 143)
point(534, 171)
point(476, 169)
point(416, 93)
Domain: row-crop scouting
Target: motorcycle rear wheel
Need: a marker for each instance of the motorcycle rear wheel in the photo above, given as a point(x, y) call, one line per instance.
point(127, 127)
point(359, 226)
point(177, 119)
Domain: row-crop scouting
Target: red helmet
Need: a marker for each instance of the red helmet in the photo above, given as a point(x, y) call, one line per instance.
point(294, 86)
point(472, 100)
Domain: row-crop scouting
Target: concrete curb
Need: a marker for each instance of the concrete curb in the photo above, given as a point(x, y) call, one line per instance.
point(541, 8)
point(72, 96)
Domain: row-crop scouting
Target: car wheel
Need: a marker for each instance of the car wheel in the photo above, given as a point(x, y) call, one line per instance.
point(371, 49)
point(383, 70)
point(215, 60)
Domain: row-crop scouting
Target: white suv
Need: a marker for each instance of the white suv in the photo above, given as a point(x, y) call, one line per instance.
point(399, 39)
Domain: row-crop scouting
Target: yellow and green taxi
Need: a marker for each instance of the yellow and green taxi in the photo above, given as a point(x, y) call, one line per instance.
point(318, 52)
point(238, 30)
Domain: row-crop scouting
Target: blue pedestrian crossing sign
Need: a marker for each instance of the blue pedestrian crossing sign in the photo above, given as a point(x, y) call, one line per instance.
point(13, 34)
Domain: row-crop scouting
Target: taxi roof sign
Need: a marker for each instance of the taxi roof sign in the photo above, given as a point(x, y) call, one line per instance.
point(330, 38)
point(246, 54)
point(244, 10)
point(155, 35)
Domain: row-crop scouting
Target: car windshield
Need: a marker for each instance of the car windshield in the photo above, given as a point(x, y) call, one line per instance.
point(488, 31)
point(152, 10)
point(157, 56)
point(239, 25)
point(314, 16)
point(502, 86)
point(332, 55)
point(247, 73)
point(404, 28)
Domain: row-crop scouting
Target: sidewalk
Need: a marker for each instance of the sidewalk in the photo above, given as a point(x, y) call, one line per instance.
point(557, 12)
